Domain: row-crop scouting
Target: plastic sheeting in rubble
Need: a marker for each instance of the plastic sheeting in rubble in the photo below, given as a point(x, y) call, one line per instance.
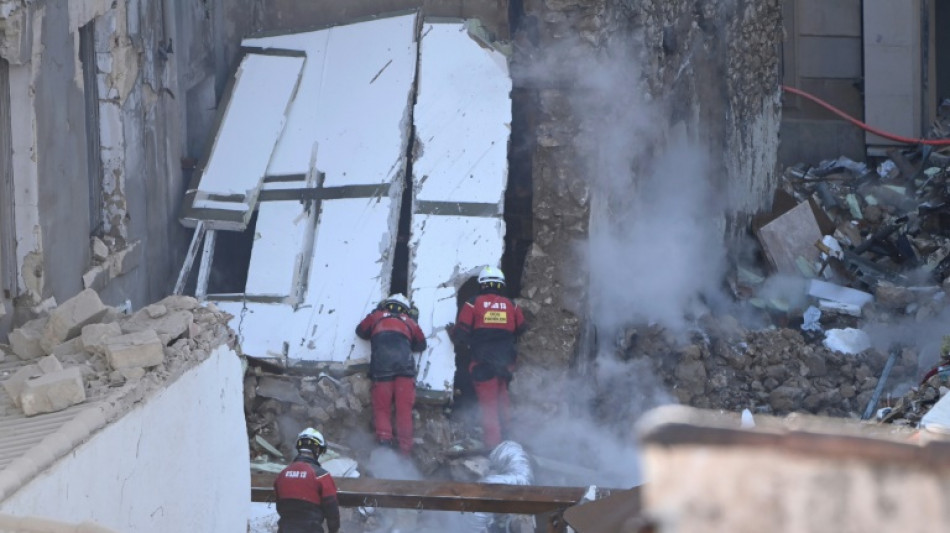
point(326, 173)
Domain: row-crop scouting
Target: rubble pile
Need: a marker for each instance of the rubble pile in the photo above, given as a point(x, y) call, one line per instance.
point(83, 348)
point(773, 371)
point(278, 405)
point(848, 251)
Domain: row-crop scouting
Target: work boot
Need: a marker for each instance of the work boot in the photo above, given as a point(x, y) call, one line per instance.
point(387, 443)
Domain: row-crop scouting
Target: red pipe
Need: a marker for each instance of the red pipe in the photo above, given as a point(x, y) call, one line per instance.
point(862, 125)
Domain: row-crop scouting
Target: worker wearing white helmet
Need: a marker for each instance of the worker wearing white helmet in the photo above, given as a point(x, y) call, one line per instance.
point(306, 493)
point(393, 334)
point(488, 325)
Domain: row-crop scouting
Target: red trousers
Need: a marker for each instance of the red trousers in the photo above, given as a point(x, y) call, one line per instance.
point(403, 389)
point(495, 407)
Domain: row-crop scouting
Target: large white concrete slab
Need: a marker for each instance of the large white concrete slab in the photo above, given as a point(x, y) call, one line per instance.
point(350, 274)
point(446, 251)
point(354, 101)
point(277, 256)
point(462, 118)
point(253, 121)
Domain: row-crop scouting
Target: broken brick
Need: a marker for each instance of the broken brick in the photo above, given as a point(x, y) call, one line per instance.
point(139, 349)
point(49, 364)
point(168, 327)
point(67, 320)
point(71, 347)
point(52, 392)
point(25, 340)
point(95, 336)
point(14, 384)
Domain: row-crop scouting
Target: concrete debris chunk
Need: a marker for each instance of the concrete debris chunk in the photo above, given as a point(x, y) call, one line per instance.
point(278, 389)
point(25, 340)
point(99, 250)
point(156, 310)
point(179, 303)
point(791, 238)
point(67, 320)
point(71, 347)
point(49, 364)
point(52, 392)
point(95, 336)
point(139, 349)
point(837, 293)
point(169, 326)
point(14, 384)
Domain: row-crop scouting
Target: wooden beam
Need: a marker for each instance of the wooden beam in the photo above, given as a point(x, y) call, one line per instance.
point(439, 495)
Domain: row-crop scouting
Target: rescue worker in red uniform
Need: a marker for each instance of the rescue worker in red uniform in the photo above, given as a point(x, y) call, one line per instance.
point(306, 493)
point(488, 324)
point(393, 334)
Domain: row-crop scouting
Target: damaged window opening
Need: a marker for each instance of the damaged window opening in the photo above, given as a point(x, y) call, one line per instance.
point(87, 56)
point(232, 257)
point(7, 238)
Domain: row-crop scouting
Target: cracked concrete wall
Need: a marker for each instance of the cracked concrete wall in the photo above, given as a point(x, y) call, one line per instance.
point(707, 67)
point(149, 54)
point(120, 474)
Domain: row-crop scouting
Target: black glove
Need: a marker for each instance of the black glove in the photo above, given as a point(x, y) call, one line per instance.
point(414, 313)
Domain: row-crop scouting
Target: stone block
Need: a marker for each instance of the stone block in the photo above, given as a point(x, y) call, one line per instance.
point(71, 347)
point(156, 310)
point(25, 340)
point(67, 320)
point(52, 392)
point(168, 327)
point(139, 349)
point(49, 364)
point(14, 384)
point(95, 336)
point(178, 302)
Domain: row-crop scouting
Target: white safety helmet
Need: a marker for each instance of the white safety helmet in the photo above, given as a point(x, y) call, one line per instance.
point(397, 303)
point(491, 277)
point(311, 439)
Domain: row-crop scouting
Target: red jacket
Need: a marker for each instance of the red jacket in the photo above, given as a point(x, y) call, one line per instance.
point(393, 338)
point(306, 495)
point(488, 324)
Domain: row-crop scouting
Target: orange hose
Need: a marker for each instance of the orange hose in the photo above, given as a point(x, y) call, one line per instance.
point(862, 125)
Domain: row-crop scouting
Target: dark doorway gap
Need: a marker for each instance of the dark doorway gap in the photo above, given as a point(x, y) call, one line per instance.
point(231, 260)
point(520, 192)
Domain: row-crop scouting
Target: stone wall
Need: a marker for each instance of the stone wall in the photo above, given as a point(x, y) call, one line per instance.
point(619, 87)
